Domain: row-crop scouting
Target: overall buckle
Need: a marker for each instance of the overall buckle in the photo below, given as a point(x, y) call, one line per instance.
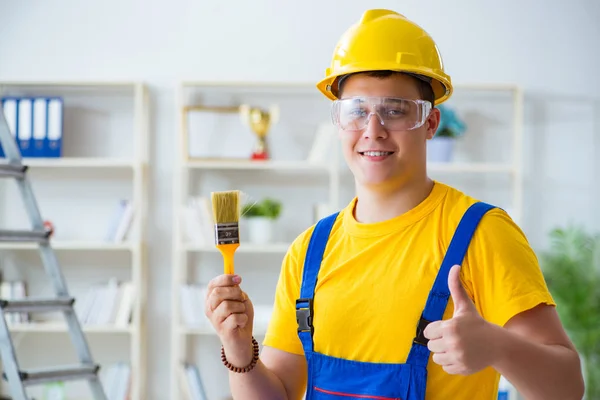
point(420, 338)
point(304, 315)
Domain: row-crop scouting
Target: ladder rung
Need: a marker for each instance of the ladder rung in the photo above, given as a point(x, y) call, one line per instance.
point(12, 170)
point(56, 374)
point(25, 236)
point(33, 305)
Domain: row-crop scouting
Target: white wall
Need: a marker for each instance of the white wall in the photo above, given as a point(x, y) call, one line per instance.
point(548, 47)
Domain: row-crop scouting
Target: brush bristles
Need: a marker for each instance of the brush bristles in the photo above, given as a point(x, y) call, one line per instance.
point(226, 206)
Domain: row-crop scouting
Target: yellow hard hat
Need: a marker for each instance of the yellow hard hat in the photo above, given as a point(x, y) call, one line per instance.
point(386, 40)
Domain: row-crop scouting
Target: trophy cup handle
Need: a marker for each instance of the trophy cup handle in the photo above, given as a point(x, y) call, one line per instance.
point(244, 113)
point(274, 113)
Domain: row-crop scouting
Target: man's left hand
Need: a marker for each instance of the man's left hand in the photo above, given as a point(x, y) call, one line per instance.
point(461, 344)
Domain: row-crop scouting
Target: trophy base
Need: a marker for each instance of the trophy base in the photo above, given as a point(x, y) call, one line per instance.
point(260, 155)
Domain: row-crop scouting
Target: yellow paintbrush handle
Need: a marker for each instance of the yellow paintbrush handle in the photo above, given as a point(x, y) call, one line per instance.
point(228, 252)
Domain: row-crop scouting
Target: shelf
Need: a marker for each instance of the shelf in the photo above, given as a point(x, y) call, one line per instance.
point(67, 84)
point(255, 87)
point(43, 327)
point(197, 331)
point(72, 245)
point(244, 248)
point(487, 87)
point(107, 126)
point(291, 166)
point(209, 331)
point(93, 88)
point(75, 162)
point(470, 167)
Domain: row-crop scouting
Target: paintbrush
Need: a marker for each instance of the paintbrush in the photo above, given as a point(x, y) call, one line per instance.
point(226, 215)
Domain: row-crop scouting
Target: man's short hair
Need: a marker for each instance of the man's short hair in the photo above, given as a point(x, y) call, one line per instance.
point(425, 89)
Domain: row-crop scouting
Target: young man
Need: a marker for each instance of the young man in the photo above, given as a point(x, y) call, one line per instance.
point(375, 302)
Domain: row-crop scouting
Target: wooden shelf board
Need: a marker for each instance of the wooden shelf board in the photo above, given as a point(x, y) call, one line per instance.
point(209, 331)
point(298, 166)
point(43, 327)
point(72, 245)
point(78, 162)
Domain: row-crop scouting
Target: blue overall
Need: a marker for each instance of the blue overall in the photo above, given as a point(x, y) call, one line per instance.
point(331, 378)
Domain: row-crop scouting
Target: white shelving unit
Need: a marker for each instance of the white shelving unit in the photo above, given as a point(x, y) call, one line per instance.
point(104, 159)
point(290, 139)
point(487, 158)
point(498, 114)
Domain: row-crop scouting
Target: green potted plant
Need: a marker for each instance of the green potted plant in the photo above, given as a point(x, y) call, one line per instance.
point(572, 269)
point(259, 218)
point(441, 147)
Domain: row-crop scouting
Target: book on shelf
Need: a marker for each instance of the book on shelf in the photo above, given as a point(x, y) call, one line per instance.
point(192, 297)
point(14, 290)
point(191, 382)
point(107, 304)
point(117, 381)
point(192, 306)
point(120, 223)
point(320, 151)
point(197, 221)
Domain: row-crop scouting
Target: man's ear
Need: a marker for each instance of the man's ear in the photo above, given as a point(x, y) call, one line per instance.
point(432, 122)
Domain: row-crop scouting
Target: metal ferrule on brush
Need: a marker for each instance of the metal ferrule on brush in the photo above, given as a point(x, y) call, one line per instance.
point(228, 233)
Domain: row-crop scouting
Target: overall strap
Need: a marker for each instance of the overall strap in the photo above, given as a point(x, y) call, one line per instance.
point(312, 264)
point(440, 293)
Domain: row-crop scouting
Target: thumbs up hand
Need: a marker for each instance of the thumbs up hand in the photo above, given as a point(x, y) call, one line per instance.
point(461, 344)
point(463, 305)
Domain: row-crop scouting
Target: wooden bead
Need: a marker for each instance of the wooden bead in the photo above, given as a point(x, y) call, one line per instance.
point(248, 368)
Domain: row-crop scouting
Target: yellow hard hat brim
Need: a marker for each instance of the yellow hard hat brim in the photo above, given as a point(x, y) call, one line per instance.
point(440, 83)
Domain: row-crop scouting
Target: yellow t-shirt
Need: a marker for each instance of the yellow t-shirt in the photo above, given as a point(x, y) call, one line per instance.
point(375, 278)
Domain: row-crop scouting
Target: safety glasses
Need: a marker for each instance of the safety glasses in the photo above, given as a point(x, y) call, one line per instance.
point(395, 114)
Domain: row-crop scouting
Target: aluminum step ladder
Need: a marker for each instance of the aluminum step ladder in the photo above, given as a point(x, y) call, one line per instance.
point(18, 379)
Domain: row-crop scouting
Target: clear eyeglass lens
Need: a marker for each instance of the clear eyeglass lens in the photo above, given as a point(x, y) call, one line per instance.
point(394, 114)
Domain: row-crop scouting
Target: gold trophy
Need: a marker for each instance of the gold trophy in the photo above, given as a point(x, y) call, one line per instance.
point(260, 120)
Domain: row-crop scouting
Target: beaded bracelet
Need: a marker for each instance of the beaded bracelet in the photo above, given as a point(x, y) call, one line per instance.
point(249, 367)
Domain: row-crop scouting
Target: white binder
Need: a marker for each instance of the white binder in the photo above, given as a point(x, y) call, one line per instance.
point(25, 127)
